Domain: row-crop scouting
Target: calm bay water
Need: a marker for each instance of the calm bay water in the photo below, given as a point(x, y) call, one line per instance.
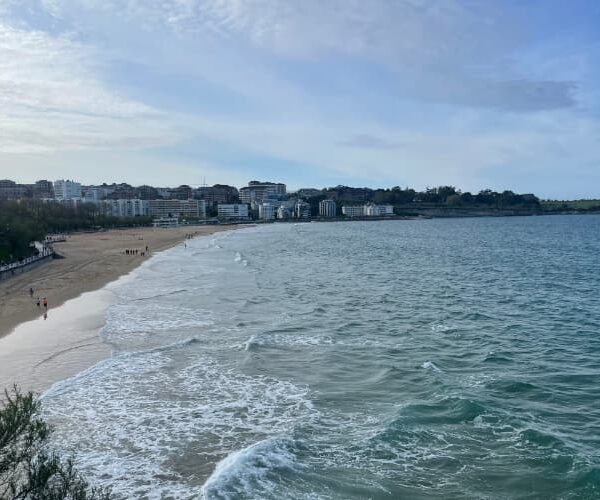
point(400, 359)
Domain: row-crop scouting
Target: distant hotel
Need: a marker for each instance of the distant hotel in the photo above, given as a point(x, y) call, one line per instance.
point(67, 190)
point(327, 208)
point(177, 208)
point(194, 209)
point(232, 211)
point(259, 192)
point(368, 210)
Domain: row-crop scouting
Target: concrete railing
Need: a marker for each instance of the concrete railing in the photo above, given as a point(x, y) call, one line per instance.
point(23, 265)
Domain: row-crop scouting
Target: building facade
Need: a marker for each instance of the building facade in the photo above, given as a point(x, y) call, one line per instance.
point(10, 190)
point(43, 190)
point(372, 210)
point(127, 208)
point(262, 191)
point(302, 210)
point(267, 211)
point(219, 193)
point(353, 210)
point(327, 208)
point(177, 208)
point(232, 211)
point(65, 190)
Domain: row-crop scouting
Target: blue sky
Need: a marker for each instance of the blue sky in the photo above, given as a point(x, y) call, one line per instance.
point(472, 93)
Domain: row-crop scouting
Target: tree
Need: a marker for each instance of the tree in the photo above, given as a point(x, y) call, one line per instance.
point(29, 468)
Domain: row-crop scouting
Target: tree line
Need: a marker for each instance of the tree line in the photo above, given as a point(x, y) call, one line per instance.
point(24, 221)
point(437, 197)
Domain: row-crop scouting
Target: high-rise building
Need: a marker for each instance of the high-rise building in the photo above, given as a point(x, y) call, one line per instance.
point(10, 190)
point(65, 190)
point(177, 208)
point(126, 208)
point(262, 191)
point(219, 193)
point(267, 211)
point(327, 208)
point(43, 189)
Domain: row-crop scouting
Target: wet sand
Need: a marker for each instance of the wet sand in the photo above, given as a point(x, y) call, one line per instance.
point(41, 352)
point(36, 352)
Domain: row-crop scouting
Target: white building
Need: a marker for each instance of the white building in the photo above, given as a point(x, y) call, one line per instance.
point(372, 210)
point(232, 211)
point(127, 208)
point(266, 211)
point(67, 190)
point(353, 210)
point(327, 208)
point(283, 212)
point(262, 191)
point(302, 210)
point(177, 208)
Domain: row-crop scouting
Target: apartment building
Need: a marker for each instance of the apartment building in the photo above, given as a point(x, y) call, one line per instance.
point(237, 211)
point(126, 208)
point(261, 191)
point(177, 208)
point(65, 190)
point(327, 208)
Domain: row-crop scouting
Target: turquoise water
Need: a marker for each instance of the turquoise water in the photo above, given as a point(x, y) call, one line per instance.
point(398, 359)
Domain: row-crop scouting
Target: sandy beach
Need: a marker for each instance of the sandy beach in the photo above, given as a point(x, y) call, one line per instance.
point(91, 260)
point(35, 352)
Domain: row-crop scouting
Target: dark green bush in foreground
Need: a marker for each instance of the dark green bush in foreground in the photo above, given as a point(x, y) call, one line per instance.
point(29, 468)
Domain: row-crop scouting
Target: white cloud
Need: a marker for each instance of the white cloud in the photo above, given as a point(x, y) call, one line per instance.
point(50, 99)
point(284, 61)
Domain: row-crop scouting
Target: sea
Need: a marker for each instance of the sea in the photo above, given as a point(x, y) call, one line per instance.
point(417, 359)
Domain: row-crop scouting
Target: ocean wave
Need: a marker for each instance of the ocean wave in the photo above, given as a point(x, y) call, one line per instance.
point(153, 407)
point(447, 411)
point(430, 365)
point(256, 467)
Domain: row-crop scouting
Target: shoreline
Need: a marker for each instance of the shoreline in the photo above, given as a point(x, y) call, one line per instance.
point(36, 353)
point(89, 262)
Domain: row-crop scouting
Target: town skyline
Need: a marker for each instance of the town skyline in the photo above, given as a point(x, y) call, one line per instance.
point(290, 187)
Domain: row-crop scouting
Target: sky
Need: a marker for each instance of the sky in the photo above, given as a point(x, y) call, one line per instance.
point(471, 93)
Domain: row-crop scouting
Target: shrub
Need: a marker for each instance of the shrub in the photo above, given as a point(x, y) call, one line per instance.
point(29, 467)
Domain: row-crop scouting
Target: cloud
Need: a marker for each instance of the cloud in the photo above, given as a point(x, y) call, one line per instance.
point(444, 51)
point(50, 99)
point(408, 91)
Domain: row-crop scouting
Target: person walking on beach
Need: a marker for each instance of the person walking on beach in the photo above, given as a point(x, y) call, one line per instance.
point(38, 302)
point(45, 302)
point(31, 292)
